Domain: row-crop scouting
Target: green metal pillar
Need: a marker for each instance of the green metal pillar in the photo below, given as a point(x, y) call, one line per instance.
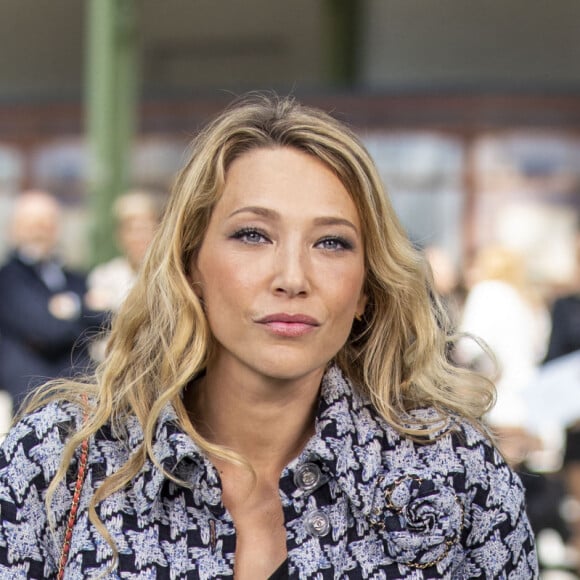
point(343, 41)
point(111, 103)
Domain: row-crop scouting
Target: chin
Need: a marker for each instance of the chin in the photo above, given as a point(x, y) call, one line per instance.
point(289, 371)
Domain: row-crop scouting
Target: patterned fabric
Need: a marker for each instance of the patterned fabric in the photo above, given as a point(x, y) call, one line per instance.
point(359, 502)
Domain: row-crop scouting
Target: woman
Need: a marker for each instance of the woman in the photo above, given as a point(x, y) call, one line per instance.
point(136, 214)
point(503, 310)
point(276, 400)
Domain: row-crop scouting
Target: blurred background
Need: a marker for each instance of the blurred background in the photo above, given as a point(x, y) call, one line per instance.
point(471, 111)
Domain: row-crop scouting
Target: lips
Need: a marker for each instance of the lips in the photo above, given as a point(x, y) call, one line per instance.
point(290, 319)
point(290, 325)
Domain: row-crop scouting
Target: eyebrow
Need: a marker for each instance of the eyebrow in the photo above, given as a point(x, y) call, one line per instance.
point(271, 214)
point(335, 221)
point(256, 209)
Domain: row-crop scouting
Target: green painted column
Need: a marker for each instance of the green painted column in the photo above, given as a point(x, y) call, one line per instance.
point(111, 103)
point(343, 21)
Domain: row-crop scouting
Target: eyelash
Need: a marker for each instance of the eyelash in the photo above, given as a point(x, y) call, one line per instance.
point(243, 234)
point(341, 244)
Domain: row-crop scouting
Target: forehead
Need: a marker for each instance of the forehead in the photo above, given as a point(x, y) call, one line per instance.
point(285, 179)
point(36, 208)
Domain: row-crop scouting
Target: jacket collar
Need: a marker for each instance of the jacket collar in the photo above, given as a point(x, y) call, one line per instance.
point(353, 444)
point(180, 457)
point(350, 440)
point(361, 452)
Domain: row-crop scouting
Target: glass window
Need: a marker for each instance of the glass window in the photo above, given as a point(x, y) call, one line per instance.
point(423, 174)
point(528, 195)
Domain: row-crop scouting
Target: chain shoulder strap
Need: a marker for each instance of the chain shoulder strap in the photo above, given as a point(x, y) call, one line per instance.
point(72, 516)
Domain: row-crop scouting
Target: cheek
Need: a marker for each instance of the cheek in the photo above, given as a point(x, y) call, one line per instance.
point(346, 303)
point(229, 276)
point(350, 287)
point(224, 282)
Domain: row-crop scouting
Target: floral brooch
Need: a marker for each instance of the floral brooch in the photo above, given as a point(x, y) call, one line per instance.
point(420, 519)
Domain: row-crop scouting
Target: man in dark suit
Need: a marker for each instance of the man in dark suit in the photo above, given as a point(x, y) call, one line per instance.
point(44, 322)
point(564, 340)
point(565, 337)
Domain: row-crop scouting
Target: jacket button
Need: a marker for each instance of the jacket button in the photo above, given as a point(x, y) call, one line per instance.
point(307, 476)
point(317, 523)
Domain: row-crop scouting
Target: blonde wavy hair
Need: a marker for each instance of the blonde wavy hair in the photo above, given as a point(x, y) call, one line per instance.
point(397, 354)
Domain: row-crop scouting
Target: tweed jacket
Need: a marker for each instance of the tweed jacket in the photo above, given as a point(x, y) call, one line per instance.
point(360, 501)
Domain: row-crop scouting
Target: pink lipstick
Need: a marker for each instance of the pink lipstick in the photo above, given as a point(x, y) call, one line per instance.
point(290, 325)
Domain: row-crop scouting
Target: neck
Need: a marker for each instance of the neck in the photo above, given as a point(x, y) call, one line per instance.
point(30, 256)
point(268, 422)
point(134, 263)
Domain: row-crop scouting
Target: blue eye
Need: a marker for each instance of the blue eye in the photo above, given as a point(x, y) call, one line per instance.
point(334, 244)
point(250, 236)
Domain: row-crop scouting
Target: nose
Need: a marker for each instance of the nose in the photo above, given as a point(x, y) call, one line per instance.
point(291, 271)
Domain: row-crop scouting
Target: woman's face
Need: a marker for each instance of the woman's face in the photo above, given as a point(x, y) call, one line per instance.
point(281, 267)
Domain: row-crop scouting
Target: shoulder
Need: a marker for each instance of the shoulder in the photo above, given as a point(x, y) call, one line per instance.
point(32, 429)
point(34, 445)
point(112, 267)
point(458, 486)
point(567, 303)
point(440, 446)
point(457, 459)
point(29, 459)
point(463, 460)
point(457, 450)
point(13, 266)
point(490, 290)
point(75, 276)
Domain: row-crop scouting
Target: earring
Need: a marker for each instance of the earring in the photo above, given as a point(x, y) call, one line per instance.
point(358, 317)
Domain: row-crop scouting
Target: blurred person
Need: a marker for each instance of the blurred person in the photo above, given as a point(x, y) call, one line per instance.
point(446, 281)
point(565, 340)
point(276, 400)
point(503, 311)
point(44, 321)
point(136, 216)
point(565, 335)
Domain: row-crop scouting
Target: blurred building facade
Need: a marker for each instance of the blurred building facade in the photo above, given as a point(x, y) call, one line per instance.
point(471, 110)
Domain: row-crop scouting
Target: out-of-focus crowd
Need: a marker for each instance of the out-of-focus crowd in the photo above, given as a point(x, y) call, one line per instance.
point(53, 320)
point(529, 345)
point(53, 323)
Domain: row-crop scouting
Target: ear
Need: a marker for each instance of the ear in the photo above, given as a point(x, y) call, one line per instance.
point(194, 278)
point(361, 304)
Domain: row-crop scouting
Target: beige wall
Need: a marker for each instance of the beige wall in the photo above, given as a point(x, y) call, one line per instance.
point(234, 45)
point(472, 43)
point(41, 47)
point(186, 45)
point(225, 43)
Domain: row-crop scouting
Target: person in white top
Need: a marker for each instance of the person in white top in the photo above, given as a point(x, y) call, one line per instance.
point(502, 311)
point(136, 215)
